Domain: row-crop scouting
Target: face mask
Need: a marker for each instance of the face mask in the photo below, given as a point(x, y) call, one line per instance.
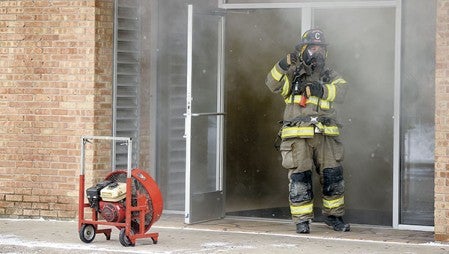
point(315, 57)
point(317, 61)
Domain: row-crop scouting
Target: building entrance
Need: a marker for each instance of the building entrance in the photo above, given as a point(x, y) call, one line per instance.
point(254, 39)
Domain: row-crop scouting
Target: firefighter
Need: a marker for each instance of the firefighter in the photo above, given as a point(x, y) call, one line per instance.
point(310, 132)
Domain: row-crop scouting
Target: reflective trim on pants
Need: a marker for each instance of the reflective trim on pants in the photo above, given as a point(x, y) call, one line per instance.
point(301, 209)
point(333, 203)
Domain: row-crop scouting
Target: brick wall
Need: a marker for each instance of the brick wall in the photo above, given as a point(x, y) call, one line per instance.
point(55, 86)
point(104, 18)
point(442, 123)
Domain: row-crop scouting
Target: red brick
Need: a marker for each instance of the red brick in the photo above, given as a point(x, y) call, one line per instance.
point(442, 237)
point(30, 198)
point(49, 214)
point(66, 214)
point(14, 198)
point(31, 213)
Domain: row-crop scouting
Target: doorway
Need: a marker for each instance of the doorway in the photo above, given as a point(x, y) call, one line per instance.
point(255, 38)
point(256, 182)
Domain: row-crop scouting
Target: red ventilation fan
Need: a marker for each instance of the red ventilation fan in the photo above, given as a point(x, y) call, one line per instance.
point(129, 200)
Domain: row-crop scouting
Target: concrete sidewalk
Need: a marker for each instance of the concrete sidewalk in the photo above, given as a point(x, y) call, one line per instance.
point(230, 235)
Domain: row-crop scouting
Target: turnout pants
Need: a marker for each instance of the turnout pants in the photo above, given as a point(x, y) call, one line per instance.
point(303, 155)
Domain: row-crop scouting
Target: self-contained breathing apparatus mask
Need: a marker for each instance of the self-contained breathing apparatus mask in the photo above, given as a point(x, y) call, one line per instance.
point(315, 56)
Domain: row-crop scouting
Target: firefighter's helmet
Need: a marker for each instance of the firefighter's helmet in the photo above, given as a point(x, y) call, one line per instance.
point(312, 37)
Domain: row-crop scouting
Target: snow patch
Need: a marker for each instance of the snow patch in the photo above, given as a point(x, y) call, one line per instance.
point(16, 241)
point(211, 247)
point(284, 245)
point(215, 244)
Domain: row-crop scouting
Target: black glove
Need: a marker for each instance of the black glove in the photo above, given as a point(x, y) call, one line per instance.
point(316, 89)
point(288, 60)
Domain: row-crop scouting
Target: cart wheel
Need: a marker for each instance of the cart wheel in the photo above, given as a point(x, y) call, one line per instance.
point(154, 240)
point(87, 233)
point(124, 240)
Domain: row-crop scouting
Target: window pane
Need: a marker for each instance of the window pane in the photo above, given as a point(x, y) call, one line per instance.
point(361, 49)
point(417, 113)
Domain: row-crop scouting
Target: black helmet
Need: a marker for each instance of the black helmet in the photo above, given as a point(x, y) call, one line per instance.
point(312, 37)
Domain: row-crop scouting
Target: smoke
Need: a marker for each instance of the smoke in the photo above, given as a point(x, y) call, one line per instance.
point(362, 50)
point(364, 59)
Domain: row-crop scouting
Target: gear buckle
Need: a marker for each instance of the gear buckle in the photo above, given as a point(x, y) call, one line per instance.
point(314, 120)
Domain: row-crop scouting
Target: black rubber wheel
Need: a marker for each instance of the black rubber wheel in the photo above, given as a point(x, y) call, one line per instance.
point(87, 233)
point(154, 240)
point(124, 240)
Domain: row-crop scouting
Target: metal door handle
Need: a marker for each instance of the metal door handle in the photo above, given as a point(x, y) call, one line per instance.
point(207, 114)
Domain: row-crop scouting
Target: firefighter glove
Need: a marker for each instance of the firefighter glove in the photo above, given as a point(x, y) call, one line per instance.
point(288, 60)
point(316, 89)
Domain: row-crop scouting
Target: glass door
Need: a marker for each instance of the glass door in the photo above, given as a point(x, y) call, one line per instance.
point(204, 117)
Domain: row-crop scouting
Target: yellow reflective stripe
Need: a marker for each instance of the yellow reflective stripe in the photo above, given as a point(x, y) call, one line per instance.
point(309, 131)
point(302, 209)
point(333, 203)
point(312, 100)
point(324, 104)
point(331, 130)
point(338, 81)
point(332, 88)
point(297, 131)
point(288, 99)
point(331, 92)
point(296, 99)
point(285, 87)
point(276, 74)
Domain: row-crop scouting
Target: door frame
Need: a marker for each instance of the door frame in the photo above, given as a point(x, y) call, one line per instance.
point(307, 22)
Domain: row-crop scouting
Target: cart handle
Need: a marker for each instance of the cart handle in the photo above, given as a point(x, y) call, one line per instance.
point(128, 142)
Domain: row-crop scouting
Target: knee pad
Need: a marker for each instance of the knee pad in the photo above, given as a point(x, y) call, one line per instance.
point(333, 183)
point(301, 187)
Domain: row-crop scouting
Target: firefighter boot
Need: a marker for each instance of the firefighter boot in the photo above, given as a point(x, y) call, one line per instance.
point(303, 227)
point(337, 223)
